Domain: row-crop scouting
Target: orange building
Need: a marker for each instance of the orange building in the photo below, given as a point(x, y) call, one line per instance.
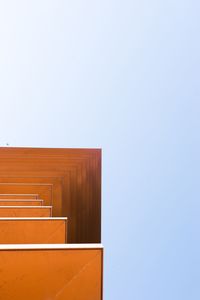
point(50, 224)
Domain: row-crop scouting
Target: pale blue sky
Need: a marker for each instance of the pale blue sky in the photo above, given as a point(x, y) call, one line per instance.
point(124, 76)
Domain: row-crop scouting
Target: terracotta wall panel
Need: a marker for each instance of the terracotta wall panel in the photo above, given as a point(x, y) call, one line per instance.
point(25, 211)
point(33, 230)
point(51, 274)
point(18, 202)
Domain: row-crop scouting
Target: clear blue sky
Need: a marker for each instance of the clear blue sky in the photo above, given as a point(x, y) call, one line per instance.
point(124, 76)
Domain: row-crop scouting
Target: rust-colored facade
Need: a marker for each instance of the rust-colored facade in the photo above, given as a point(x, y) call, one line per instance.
point(50, 224)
